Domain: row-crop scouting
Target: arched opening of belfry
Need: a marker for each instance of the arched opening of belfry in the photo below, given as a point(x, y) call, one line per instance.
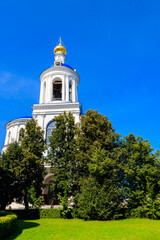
point(57, 89)
point(47, 191)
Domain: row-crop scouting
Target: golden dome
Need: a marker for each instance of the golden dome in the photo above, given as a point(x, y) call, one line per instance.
point(60, 49)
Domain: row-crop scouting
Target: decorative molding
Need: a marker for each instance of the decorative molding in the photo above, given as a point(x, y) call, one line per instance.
point(58, 71)
point(58, 112)
point(55, 106)
point(17, 121)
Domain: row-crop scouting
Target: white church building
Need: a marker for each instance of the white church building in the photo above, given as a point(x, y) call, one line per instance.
point(58, 93)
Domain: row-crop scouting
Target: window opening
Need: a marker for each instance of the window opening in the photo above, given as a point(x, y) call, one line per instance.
point(57, 90)
point(70, 91)
point(50, 127)
point(57, 63)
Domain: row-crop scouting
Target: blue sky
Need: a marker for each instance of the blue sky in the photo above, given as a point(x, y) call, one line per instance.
point(114, 44)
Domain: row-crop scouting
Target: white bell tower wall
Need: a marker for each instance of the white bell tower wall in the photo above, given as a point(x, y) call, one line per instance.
point(55, 101)
point(64, 80)
point(58, 93)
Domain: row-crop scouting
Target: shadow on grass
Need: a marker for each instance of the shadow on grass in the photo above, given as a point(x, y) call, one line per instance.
point(20, 226)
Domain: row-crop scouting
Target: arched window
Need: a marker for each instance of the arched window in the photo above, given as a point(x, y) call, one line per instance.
point(70, 91)
point(57, 90)
point(19, 134)
point(49, 129)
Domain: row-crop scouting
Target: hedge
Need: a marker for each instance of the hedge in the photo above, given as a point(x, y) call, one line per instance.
point(26, 214)
point(50, 213)
point(7, 224)
point(37, 213)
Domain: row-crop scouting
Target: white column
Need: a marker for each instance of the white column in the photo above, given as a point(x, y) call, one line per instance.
point(76, 96)
point(63, 89)
point(47, 97)
point(73, 90)
point(14, 133)
point(67, 88)
point(41, 94)
point(6, 139)
point(50, 88)
point(17, 133)
point(10, 136)
point(64, 80)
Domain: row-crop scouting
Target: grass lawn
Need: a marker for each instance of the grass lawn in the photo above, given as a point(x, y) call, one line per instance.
point(75, 229)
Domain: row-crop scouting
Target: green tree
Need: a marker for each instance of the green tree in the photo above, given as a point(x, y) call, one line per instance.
point(36, 202)
point(99, 157)
point(32, 138)
point(32, 165)
point(95, 130)
point(141, 169)
point(10, 174)
point(99, 202)
point(62, 150)
point(6, 190)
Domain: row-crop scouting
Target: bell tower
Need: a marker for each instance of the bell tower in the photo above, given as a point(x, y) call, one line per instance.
point(59, 83)
point(58, 91)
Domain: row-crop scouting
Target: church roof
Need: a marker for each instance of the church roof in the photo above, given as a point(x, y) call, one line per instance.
point(63, 65)
point(23, 117)
point(66, 65)
point(18, 119)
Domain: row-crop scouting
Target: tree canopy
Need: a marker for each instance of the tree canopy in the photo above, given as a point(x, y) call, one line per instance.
point(62, 155)
point(10, 165)
point(32, 165)
point(105, 175)
point(22, 165)
point(141, 169)
point(113, 176)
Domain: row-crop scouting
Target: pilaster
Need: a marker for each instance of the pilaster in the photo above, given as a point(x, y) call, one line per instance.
point(67, 88)
point(41, 94)
point(73, 90)
point(50, 88)
point(63, 89)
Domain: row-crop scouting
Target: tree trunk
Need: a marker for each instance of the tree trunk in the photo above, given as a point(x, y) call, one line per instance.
point(26, 199)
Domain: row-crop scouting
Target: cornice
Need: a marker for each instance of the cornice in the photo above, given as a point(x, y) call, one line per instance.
point(55, 106)
point(39, 113)
point(59, 71)
point(17, 121)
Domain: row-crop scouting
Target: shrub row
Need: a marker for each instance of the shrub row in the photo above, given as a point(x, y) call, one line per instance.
point(7, 224)
point(50, 213)
point(37, 213)
point(26, 214)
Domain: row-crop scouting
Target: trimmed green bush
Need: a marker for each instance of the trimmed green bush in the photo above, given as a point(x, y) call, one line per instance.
point(27, 214)
point(37, 213)
point(50, 213)
point(7, 224)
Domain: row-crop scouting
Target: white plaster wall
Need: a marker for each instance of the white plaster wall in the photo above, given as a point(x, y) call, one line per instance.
point(60, 58)
point(65, 75)
point(14, 127)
